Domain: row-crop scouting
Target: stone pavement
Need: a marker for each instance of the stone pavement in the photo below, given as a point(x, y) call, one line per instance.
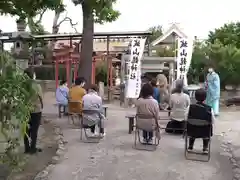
point(228, 127)
point(115, 159)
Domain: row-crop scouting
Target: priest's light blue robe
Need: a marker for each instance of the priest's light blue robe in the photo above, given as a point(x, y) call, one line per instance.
point(212, 85)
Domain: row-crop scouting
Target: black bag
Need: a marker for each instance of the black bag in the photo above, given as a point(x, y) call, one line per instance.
point(175, 127)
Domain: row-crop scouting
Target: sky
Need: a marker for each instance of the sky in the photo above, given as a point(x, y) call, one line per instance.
point(195, 18)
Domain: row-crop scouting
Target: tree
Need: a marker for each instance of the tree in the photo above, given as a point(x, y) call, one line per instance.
point(28, 8)
point(199, 61)
point(98, 11)
point(156, 32)
point(15, 107)
point(226, 60)
point(162, 51)
point(36, 26)
point(227, 34)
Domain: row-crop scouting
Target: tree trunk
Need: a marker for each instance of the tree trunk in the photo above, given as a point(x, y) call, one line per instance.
point(85, 67)
point(55, 27)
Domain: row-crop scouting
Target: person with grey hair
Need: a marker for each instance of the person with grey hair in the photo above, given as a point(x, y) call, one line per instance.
point(177, 83)
point(179, 104)
point(92, 101)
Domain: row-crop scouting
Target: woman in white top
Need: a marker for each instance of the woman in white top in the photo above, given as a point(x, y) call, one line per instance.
point(179, 104)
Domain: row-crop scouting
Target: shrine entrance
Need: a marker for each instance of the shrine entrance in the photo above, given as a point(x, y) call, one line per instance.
point(150, 64)
point(69, 56)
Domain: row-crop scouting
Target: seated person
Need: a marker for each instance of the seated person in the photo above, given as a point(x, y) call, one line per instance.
point(62, 94)
point(92, 101)
point(156, 91)
point(147, 105)
point(199, 112)
point(179, 105)
point(162, 84)
point(175, 84)
point(76, 94)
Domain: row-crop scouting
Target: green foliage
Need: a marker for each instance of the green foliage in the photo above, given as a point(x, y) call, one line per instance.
point(99, 11)
point(227, 62)
point(161, 51)
point(30, 8)
point(15, 106)
point(198, 64)
point(224, 58)
point(166, 52)
point(224, 52)
point(36, 28)
point(227, 34)
point(102, 10)
point(48, 72)
point(156, 32)
point(101, 72)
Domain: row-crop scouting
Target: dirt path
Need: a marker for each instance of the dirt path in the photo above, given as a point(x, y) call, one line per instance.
point(115, 159)
point(36, 163)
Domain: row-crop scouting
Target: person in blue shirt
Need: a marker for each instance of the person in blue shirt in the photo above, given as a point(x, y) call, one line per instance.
point(156, 91)
point(62, 94)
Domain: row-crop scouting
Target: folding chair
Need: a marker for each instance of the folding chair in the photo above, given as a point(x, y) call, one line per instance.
point(194, 125)
point(166, 119)
point(74, 111)
point(139, 127)
point(84, 125)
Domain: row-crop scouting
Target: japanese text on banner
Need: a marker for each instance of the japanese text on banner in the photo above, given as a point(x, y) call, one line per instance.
point(134, 80)
point(185, 47)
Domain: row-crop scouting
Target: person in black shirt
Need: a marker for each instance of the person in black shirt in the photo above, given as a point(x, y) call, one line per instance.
point(199, 112)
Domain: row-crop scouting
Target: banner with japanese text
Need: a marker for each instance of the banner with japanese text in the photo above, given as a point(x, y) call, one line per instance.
point(133, 84)
point(184, 57)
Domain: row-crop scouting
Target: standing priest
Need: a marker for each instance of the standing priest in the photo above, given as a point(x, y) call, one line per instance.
point(212, 85)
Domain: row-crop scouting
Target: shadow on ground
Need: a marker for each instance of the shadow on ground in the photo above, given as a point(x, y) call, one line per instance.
point(36, 163)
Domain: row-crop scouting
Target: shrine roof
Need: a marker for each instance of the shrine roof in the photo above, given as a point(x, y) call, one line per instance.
point(96, 35)
point(13, 36)
point(169, 36)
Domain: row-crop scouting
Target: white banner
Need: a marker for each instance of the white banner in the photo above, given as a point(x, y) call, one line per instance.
point(185, 49)
point(133, 85)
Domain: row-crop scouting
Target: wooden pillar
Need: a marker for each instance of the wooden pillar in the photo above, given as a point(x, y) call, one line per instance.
point(69, 65)
point(111, 79)
point(56, 71)
point(75, 69)
point(108, 72)
point(171, 75)
point(148, 47)
point(93, 70)
point(101, 89)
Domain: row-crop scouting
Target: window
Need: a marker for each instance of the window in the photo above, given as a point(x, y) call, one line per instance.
point(18, 45)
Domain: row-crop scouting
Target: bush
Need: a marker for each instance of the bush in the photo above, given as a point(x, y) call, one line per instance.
point(101, 72)
point(225, 59)
point(227, 63)
point(15, 107)
point(199, 61)
point(48, 72)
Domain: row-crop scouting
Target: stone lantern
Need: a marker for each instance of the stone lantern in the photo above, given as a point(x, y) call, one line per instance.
point(21, 25)
point(38, 55)
point(21, 49)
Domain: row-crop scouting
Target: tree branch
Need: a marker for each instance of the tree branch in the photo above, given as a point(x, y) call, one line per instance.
point(70, 21)
point(41, 16)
